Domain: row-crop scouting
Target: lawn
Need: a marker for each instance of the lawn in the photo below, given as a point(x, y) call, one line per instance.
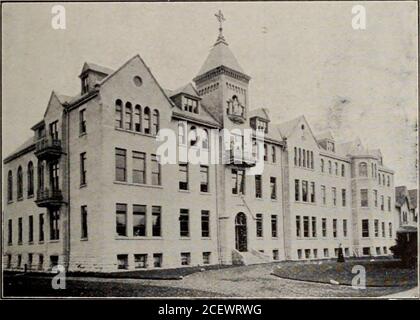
point(380, 273)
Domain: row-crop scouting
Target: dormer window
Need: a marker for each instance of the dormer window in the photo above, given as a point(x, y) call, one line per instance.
point(85, 84)
point(330, 146)
point(190, 105)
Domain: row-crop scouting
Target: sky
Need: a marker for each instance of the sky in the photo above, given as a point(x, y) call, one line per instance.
point(304, 58)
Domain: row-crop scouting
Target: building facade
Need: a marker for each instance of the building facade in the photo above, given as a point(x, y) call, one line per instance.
point(89, 190)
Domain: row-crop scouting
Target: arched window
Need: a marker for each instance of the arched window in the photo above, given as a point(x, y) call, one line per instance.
point(137, 118)
point(181, 133)
point(273, 154)
point(30, 179)
point(19, 183)
point(388, 183)
point(363, 169)
point(329, 167)
point(155, 122)
point(146, 120)
point(10, 186)
point(128, 116)
point(383, 179)
point(343, 170)
point(205, 139)
point(118, 114)
point(40, 175)
point(322, 165)
point(192, 137)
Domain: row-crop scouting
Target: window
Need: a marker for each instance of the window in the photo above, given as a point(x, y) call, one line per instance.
point(184, 223)
point(83, 168)
point(383, 180)
point(347, 252)
point(19, 183)
point(121, 219)
point(146, 120)
point(307, 253)
point(30, 179)
point(378, 251)
point(55, 175)
point(297, 189)
point(300, 157)
point(324, 227)
point(155, 121)
point(389, 203)
point(128, 116)
point(258, 186)
point(140, 261)
point(388, 181)
point(193, 136)
point(274, 226)
point(54, 130)
point(157, 260)
point(334, 195)
point(20, 235)
point(306, 227)
point(312, 192)
point(19, 261)
point(329, 167)
point(363, 197)
point(156, 221)
point(366, 251)
point(385, 250)
point(41, 227)
point(122, 261)
point(265, 152)
point(382, 203)
point(137, 118)
point(335, 228)
point(299, 253)
point(390, 229)
point(315, 253)
point(298, 232)
point(204, 136)
point(31, 229)
point(82, 122)
point(118, 114)
point(383, 229)
point(10, 232)
point(304, 191)
point(322, 165)
point(9, 261)
point(41, 262)
point(185, 258)
point(84, 224)
point(314, 233)
point(273, 154)
point(181, 133)
point(344, 228)
point(183, 176)
point(324, 195)
point(139, 167)
point(55, 225)
point(40, 175)
point(259, 225)
point(363, 169)
point(139, 220)
point(343, 197)
point(273, 188)
point(312, 160)
point(205, 223)
point(326, 253)
point(120, 164)
point(10, 186)
point(206, 257)
point(343, 170)
point(295, 156)
point(156, 169)
point(375, 197)
point(365, 228)
point(238, 181)
point(304, 158)
point(204, 176)
point(336, 169)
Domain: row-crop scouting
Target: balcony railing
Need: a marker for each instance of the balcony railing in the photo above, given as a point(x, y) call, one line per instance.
point(239, 158)
point(48, 148)
point(49, 198)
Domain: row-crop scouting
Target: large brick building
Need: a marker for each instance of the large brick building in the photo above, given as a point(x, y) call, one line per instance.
point(88, 190)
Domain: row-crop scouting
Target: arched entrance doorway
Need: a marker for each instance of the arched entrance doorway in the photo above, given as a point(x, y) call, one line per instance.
point(241, 241)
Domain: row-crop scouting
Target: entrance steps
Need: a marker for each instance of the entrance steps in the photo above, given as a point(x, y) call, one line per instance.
point(249, 257)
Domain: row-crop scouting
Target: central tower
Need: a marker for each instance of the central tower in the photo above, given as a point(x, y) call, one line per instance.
point(222, 84)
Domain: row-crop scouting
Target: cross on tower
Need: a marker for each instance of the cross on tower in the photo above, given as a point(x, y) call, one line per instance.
point(220, 18)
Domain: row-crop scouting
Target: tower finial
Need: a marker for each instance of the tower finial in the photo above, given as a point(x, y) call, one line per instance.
point(220, 18)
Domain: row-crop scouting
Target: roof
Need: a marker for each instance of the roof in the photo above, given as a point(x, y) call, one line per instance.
point(262, 113)
point(220, 55)
point(96, 67)
point(286, 128)
point(22, 149)
point(324, 135)
point(412, 195)
point(188, 89)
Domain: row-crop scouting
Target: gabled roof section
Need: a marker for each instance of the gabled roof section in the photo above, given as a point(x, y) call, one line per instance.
point(186, 89)
point(95, 67)
point(401, 195)
point(412, 195)
point(324, 135)
point(25, 147)
point(220, 55)
point(52, 96)
point(286, 128)
point(261, 113)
